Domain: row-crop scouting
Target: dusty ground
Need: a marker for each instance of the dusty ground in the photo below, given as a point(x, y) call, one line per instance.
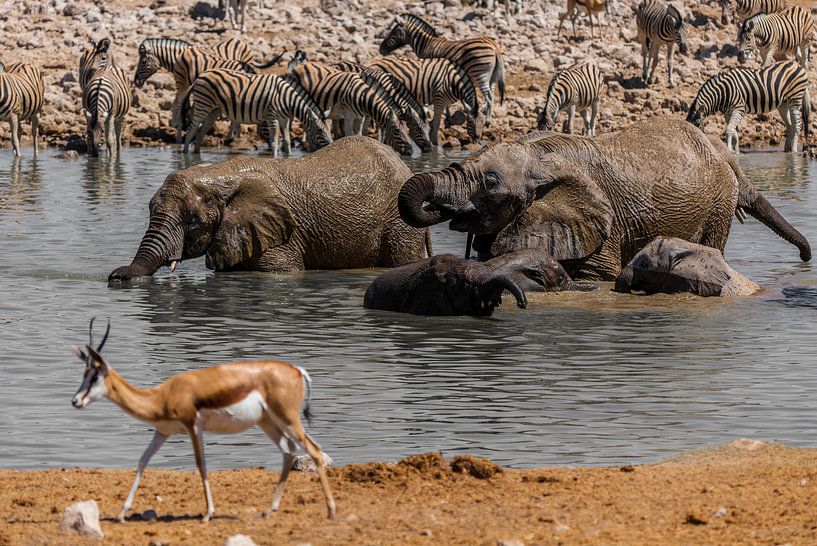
point(742, 493)
point(53, 33)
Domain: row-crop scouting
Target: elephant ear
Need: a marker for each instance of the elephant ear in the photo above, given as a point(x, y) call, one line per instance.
point(570, 218)
point(256, 217)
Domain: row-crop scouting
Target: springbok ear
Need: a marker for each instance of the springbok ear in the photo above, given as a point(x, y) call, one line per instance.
point(256, 217)
point(569, 219)
point(99, 362)
point(77, 351)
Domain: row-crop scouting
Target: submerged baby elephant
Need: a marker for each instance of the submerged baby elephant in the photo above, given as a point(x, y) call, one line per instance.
point(672, 265)
point(448, 285)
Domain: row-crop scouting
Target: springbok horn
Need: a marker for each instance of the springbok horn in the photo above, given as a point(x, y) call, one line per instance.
point(91, 332)
point(105, 337)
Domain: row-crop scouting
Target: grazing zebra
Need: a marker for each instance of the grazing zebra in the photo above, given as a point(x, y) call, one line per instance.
point(439, 83)
point(98, 57)
point(105, 102)
point(773, 33)
point(590, 7)
point(21, 98)
point(782, 86)
point(744, 9)
point(575, 88)
point(252, 98)
point(480, 57)
point(399, 99)
point(348, 96)
point(659, 23)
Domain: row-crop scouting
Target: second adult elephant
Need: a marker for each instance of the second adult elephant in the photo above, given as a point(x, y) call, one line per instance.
point(331, 210)
point(594, 203)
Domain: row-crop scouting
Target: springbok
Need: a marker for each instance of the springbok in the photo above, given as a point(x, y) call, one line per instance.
point(590, 6)
point(225, 399)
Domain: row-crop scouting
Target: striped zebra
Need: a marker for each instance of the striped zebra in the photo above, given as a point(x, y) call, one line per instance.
point(105, 102)
point(777, 33)
point(782, 86)
point(97, 57)
point(347, 96)
point(438, 83)
point(743, 9)
point(21, 99)
point(398, 97)
point(577, 87)
point(261, 99)
point(480, 57)
point(659, 23)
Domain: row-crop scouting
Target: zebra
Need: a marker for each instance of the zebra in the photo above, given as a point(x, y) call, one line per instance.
point(783, 32)
point(782, 86)
point(21, 98)
point(590, 7)
point(577, 87)
point(252, 98)
point(348, 96)
point(105, 102)
point(97, 57)
point(437, 82)
point(480, 57)
point(235, 11)
point(399, 99)
point(744, 9)
point(659, 23)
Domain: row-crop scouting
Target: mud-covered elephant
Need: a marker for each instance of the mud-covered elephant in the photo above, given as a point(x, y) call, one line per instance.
point(331, 210)
point(594, 203)
point(670, 265)
point(448, 285)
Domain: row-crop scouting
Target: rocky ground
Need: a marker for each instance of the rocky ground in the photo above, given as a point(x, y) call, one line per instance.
point(746, 492)
point(52, 34)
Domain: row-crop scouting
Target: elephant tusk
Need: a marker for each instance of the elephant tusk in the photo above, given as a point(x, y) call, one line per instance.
point(173, 265)
point(741, 215)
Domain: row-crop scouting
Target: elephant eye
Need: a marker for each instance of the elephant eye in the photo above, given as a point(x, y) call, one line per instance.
point(492, 181)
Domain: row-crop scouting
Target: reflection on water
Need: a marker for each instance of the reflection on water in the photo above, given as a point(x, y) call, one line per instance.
point(577, 378)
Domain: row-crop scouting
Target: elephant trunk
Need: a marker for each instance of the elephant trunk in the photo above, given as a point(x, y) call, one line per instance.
point(491, 291)
point(446, 192)
point(582, 286)
point(162, 244)
point(624, 281)
point(761, 209)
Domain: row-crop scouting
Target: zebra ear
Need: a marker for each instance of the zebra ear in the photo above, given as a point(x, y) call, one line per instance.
point(87, 115)
point(103, 45)
point(398, 20)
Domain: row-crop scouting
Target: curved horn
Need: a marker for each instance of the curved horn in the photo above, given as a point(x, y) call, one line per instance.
point(105, 337)
point(507, 283)
point(91, 332)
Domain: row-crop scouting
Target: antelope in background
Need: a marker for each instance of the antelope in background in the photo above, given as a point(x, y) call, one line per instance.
point(225, 399)
point(590, 7)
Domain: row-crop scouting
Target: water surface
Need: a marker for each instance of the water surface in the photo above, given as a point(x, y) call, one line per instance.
point(592, 379)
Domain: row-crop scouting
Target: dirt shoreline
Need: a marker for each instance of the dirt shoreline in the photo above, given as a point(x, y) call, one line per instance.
point(56, 32)
point(739, 493)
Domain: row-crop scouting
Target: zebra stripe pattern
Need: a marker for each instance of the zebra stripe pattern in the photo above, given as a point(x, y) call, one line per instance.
point(347, 95)
point(21, 99)
point(437, 82)
point(251, 98)
point(575, 88)
point(744, 9)
point(659, 23)
point(481, 58)
point(106, 100)
point(782, 86)
point(785, 32)
point(98, 57)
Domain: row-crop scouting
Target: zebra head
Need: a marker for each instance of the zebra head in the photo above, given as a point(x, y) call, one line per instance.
point(397, 37)
point(298, 58)
point(148, 65)
point(679, 29)
point(709, 99)
point(315, 133)
point(474, 126)
point(747, 41)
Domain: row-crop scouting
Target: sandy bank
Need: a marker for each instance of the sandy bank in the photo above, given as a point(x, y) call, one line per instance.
point(744, 492)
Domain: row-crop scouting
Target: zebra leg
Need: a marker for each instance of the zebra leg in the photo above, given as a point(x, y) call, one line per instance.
point(435, 124)
point(732, 131)
point(587, 127)
point(594, 114)
point(796, 123)
point(119, 124)
point(176, 115)
point(35, 133)
point(571, 115)
point(242, 6)
point(670, 50)
point(287, 145)
point(110, 135)
point(655, 48)
point(644, 58)
point(14, 126)
point(485, 87)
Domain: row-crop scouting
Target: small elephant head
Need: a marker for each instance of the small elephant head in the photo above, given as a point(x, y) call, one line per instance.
point(489, 193)
point(229, 214)
point(536, 271)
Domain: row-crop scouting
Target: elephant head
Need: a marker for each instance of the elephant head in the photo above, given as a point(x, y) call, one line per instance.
point(230, 219)
point(536, 271)
point(488, 191)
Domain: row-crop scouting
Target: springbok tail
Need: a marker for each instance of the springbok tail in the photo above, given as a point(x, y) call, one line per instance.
point(308, 398)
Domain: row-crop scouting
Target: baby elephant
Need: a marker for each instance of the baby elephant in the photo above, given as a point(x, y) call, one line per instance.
point(448, 285)
point(673, 265)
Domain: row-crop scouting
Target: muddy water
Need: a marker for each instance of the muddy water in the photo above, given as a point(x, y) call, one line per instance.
point(575, 379)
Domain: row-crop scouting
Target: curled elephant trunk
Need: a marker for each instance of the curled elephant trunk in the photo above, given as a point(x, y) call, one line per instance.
point(445, 191)
point(761, 209)
point(491, 292)
point(161, 245)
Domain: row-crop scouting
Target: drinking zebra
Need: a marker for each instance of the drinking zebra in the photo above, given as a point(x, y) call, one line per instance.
point(97, 57)
point(347, 96)
point(782, 86)
point(577, 87)
point(777, 33)
point(21, 99)
point(438, 83)
point(481, 58)
point(659, 23)
point(263, 99)
point(105, 102)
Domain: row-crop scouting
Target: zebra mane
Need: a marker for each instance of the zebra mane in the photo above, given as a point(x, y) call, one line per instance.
point(552, 85)
point(675, 14)
point(420, 23)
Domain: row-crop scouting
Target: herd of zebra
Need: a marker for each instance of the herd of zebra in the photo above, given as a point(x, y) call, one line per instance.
point(392, 96)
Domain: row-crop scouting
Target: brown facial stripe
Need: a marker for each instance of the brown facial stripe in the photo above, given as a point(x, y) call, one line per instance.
point(225, 398)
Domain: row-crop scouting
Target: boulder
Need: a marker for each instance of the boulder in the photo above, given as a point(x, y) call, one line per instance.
point(82, 517)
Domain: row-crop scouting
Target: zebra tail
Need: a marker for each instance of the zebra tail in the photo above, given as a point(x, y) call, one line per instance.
point(806, 112)
point(499, 72)
point(269, 64)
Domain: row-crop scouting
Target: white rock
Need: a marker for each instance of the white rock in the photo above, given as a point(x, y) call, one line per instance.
point(82, 517)
point(239, 540)
point(304, 463)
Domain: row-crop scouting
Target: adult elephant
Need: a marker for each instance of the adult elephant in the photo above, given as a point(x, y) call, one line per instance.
point(331, 210)
point(594, 203)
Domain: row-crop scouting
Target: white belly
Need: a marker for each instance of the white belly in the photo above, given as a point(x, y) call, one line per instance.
point(236, 418)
